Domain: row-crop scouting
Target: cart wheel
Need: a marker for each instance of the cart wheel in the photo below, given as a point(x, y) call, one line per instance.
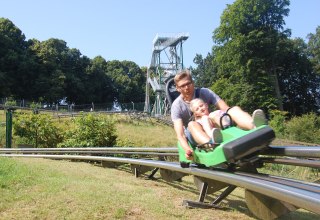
point(184, 164)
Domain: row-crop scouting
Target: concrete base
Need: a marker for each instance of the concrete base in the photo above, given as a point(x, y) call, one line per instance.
point(264, 207)
point(110, 164)
point(213, 185)
point(171, 176)
point(202, 205)
point(139, 169)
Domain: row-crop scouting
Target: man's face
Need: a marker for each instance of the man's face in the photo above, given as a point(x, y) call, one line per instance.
point(186, 88)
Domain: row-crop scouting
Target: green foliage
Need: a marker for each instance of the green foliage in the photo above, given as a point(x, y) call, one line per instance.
point(277, 122)
point(298, 82)
point(244, 16)
point(42, 131)
point(245, 54)
point(91, 130)
point(205, 73)
point(295, 172)
point(37, 129)
point(254, 63)
point(305, 128)
point(230, 92)
point(51, 70)
point(10, 102)
point(129, 80)
point(35, 105)
point(314, 50)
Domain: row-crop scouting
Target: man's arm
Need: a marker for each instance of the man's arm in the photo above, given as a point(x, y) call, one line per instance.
point(178, 127)
point(222, 105)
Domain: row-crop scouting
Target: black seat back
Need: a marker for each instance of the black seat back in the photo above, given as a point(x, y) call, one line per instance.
point(171, 91)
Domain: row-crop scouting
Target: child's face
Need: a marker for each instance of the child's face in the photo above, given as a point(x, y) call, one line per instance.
point(200, 109)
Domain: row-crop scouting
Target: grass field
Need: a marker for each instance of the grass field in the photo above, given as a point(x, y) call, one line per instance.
point(55, 189)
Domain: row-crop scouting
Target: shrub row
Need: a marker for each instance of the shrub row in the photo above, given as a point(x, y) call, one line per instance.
point(305, 128)
point(42, 131)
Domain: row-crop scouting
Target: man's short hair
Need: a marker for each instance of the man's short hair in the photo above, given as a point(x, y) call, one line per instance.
point(185, 73)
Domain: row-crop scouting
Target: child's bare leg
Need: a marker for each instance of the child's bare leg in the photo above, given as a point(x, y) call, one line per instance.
point(241, 118)
point(215, 116)
point(197, 132)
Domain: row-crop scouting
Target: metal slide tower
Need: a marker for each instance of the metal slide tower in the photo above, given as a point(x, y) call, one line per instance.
point(166, 60)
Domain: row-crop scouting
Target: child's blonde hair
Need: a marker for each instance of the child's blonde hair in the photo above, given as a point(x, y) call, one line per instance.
point(194, 102)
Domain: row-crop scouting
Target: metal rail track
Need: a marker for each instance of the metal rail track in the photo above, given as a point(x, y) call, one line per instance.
point(312, 163)
point(169, 151)
point(300, 194)
point(300, 151)
point(312, 187)
point(302, 155)
point(92, 149)
point(294, 151)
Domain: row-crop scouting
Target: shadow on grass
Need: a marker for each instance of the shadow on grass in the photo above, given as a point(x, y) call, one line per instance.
point(228, 204)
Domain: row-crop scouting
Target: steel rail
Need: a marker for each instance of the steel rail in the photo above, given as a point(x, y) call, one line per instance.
point(173, 151)
point(92, 149)
point(294, 151)
point(298, 197)
point(293, 161)
point(96, 150)
point(312, 187)
point(166, 151)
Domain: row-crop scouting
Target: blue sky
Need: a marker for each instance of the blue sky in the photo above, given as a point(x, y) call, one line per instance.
point(124, 29)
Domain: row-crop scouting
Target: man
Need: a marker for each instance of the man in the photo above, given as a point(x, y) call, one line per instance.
point(192, 131)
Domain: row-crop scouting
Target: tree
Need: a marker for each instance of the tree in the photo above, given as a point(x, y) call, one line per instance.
point(12, 57)
point(246, 50)
point(298, 81)
point(314, 50)
point(100, 87)
point(128, 79)
point(74, 67)
point(205, 73)
point(49, 71)
point(50, 81)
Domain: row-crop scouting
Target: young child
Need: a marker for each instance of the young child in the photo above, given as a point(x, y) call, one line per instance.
point(209, 121)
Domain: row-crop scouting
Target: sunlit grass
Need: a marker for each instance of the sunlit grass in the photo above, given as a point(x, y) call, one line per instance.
point(67, 190)
point(145, 134)
point(131, 132)
point(50, 189)
point(294, 172)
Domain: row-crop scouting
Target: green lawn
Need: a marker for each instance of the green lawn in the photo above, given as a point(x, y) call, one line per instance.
point(56, 189)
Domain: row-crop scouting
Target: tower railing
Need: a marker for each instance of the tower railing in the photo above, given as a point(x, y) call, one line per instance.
point(166, 61)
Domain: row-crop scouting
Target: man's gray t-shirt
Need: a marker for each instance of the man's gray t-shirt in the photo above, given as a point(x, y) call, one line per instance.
point(181, 110)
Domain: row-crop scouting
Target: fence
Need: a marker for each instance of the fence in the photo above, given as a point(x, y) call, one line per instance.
point(67, 107)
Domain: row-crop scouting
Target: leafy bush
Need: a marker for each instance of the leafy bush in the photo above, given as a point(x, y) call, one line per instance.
point(35, 105)
point(277, 122)
point(304, 128)
point(87, 130)
point(91, 130)
point(10, 102)
point(37, 129)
